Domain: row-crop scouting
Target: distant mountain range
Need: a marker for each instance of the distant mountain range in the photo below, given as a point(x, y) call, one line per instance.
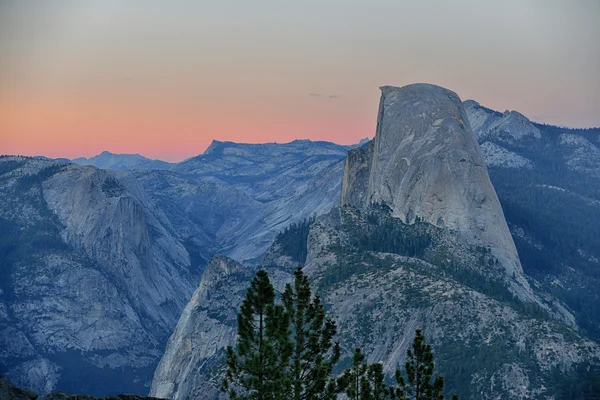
point(108, 160)
point(123, 162)
point(99, 256)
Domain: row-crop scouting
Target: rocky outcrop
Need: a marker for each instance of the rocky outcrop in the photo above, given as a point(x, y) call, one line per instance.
point(580, 154)
point(378, 300)
point(498, 156)
point(357, 170)
point(205, 329)
point(489, 124)
point(113, 223)
point(193, 363)
point(93, 281)
point(427, 165)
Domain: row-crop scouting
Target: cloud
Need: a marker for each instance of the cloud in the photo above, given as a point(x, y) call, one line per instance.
point(330, 96)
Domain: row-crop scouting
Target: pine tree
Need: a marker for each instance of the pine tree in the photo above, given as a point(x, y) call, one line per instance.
point(255, 368)
point(378, 390)
point(363, 381)
point(314, 353)
point(419, 372)
point(354, 380)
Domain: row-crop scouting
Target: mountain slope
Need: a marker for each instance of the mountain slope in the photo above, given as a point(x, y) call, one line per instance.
point(426, 165)
point(234, 198)
point(548, 184)
point(93, 278)
point(385, 267)
point(108, 160)
point(98, 264)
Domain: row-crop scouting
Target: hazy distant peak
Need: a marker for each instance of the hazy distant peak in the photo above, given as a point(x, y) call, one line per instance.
point(491, 123)
point(108, 160)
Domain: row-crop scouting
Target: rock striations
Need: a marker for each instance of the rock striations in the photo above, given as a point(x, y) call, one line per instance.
point(205, 329)
point(93, 278)
point(426, 165)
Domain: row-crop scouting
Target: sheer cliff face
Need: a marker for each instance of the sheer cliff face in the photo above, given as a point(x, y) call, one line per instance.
point(113, 223)
point(426, 164)
point(193, 362)
point(206, 327)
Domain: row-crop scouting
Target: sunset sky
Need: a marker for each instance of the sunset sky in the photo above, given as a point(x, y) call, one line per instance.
point(164, 78)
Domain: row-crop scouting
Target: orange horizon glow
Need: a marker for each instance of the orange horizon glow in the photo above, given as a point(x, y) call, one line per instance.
point(164, 80)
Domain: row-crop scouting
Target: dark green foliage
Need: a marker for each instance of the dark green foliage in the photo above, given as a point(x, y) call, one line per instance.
point(354, 382)
point(27, 181)
point(552, 130)
point(377, 390)
point(417, 382)
point(584, 384)
point(362, 381)
point(314, 353)
point(112, 187)
point(493, 287)
point(256, 367)
point(390, 235)
point(8, 166)
point(293, 240)
point(557, 209)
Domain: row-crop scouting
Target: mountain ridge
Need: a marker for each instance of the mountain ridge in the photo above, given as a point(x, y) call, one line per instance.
point(382, 276)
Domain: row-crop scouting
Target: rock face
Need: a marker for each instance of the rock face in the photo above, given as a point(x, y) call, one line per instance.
point(419, 241)
point(497, 156)
point(426, 164)
point(93, 279)
point(546, 178)
point(192, 365)
point(379, 298)
point(509, 125)
point(206, 327)
point(113, 222)
point(357, 170)
point(235, 198)
point(102, 262)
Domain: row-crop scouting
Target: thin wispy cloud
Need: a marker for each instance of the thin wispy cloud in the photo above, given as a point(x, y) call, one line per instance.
point(330, 96)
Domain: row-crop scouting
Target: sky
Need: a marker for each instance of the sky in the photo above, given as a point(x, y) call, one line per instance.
point(165, 78)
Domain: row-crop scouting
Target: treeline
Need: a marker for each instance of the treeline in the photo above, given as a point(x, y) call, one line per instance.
point(27, 181)
point(293, 239)
point(392, 236)
point(384, 234)
point(588, 133)
point(565, 225)
point(288, 351)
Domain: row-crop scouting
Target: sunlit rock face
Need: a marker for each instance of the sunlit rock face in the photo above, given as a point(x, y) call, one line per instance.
point(426, 165)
